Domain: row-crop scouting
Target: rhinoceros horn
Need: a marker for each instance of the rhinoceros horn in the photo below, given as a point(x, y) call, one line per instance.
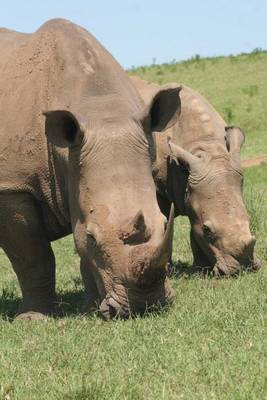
point(162, 253)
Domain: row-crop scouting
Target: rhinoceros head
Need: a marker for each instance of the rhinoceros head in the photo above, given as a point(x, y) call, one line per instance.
point(119, 231)
point(220, 233)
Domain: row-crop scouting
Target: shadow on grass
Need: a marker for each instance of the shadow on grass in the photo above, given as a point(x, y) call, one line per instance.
point(95, 392)
point(9, 304)
point(68, 303)
point(181, 269)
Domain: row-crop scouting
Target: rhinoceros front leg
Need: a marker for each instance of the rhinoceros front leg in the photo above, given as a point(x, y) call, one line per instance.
point(23, 238)
point(200, 258)
point(92, 297)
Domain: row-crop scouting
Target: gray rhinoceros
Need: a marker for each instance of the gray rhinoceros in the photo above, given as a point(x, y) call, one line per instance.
point(76, 154)
point(206, 183)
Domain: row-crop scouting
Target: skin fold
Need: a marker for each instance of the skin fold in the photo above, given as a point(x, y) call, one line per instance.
point(198, 169)
point(76, 154)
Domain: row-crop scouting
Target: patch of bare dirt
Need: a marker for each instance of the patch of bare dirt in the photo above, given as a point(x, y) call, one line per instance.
point(252, 162)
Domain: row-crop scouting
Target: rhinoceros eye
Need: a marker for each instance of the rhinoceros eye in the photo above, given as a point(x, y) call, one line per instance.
point(199, 153)
point(209, 231)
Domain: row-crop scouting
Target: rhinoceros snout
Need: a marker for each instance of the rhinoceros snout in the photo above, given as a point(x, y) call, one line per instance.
point(110, 308)
point(245, 260)
point(244, 249)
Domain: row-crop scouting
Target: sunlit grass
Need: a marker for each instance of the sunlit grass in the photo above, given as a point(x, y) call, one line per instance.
point(209, 345)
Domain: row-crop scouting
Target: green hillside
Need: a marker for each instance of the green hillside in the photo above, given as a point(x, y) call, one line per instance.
point(236, 86)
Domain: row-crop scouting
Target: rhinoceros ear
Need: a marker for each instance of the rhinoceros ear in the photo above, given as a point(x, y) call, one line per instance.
point(62, 128)
point(235, 138)
point(165, 107)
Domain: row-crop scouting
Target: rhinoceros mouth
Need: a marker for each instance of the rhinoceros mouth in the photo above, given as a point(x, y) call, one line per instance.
point(221, 268)
point(135, 304)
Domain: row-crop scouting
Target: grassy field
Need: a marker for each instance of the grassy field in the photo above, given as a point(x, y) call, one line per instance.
point(236, 86)
point(209, 345)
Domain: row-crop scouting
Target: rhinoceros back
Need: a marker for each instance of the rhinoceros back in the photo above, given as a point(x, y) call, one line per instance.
point(60, 66)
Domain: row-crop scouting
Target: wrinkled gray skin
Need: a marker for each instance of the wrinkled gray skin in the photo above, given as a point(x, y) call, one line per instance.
point(76, 154)
point(200, 171)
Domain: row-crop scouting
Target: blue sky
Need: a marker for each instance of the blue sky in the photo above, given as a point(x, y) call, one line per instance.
point(137, 32)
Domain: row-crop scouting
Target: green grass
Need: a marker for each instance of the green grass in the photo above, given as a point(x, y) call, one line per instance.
point(236, 86)
point(209, 345)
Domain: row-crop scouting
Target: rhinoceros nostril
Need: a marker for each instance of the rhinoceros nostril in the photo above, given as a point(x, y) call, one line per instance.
point(110, 308)
point(106, 310)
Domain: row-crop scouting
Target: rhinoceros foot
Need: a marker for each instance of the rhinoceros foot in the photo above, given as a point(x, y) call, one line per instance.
point(32, 316)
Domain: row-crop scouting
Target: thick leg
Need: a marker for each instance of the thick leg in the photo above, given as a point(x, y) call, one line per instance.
point(200, 258)
point(22, 237)
point(92, 298)
point(164, 205)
